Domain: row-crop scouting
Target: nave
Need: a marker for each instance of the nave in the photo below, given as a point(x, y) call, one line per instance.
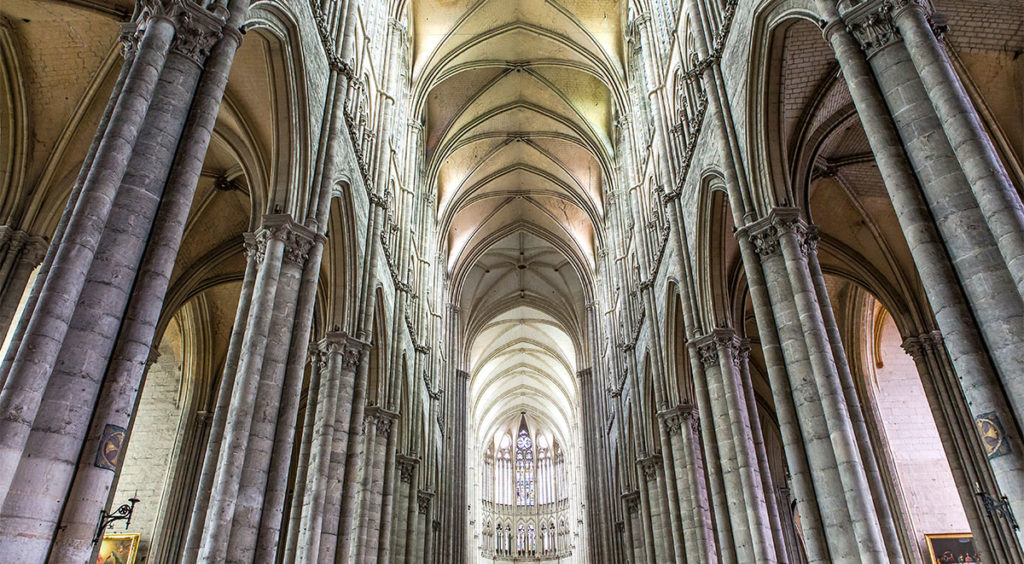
point(553, 281)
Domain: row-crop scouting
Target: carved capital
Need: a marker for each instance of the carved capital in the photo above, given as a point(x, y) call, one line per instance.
point(707, 351)
point(650, 466)
point(423, 499)
point(872, 25)
point(406, 467)
point(674, 418)
point(197, 32)
point(382, 418)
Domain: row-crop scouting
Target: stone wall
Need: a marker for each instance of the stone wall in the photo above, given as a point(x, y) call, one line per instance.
point(920, 460)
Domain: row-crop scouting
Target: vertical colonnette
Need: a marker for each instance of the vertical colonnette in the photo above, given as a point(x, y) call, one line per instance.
point(90, 319)
point(963, 221)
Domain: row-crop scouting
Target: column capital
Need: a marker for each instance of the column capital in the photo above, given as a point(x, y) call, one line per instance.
point(765, 233)
point(650, 466)
point(382, 418)
point(871, 24)
point(423, 499)
point(350, 348)
point(406, 467)
point(297, 238)
point(196, 33)
point(674, 418)
point(632, 501)
point(584, 374)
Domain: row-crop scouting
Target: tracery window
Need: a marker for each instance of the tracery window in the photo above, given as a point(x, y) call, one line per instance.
point(524, 469)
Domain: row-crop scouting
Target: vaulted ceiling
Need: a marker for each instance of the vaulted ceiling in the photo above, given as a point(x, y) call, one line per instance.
point(517, 99)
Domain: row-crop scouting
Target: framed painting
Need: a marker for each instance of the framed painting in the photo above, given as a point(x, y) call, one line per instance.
point(118, 549)
point(951, 548)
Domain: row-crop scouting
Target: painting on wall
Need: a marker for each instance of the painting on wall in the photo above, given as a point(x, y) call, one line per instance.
point(951, 548)
point(118, 549)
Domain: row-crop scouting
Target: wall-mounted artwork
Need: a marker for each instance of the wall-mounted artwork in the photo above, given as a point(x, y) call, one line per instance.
point(951, 548)
point(118, 549)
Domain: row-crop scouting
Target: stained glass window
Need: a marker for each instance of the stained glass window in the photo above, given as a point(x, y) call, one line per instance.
point(524, 469)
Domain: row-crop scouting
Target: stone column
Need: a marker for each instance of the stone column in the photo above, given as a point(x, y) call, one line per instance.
point(69, 340)
point(405, 509)
point(974, 247)
point(995, 539)
point(798, 455)
point(967, 341)
point(682, 424)
point(750, 471)
point(332, 435)
point(21, 253)
point(317, 369)
point(732, 507)
point(757, 436)
point(634, 531)
point(652, 487)
point(817, 390)
point(220, 412)
point(252, 414)
point(422, 550)
point(729, 535)
point(379, 423)
point(997, 198)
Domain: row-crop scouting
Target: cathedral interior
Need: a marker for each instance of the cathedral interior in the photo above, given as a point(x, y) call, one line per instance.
point(553, 281)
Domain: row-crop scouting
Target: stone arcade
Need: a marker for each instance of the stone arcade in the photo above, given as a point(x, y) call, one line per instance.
point(452, 281)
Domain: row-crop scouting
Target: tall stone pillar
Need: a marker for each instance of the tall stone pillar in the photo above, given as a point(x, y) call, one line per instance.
point(634, 528)
point(329, 442)
point(379, 424)
point(20, 253)
point(965, 279)
point(995, 539)
point(423, 550)
point(840, 479)
point(998, 200)
point(405, 508)
point(683, 426)
point(97, 307)
point(978, 215)
point(657, 539)
point(317, 370)
point(243, 466)
point(720, 352)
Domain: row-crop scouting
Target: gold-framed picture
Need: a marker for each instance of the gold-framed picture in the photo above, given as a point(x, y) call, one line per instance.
point(951, 548)
point(118, 549)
